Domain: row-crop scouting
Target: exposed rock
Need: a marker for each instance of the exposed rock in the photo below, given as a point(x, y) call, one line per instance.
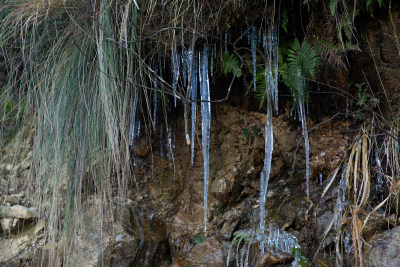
point(240, 134)
point(208, 253)
point(15, 245)
point(270, 258)
point(13, 199)
point(233, 217)
point(384, 250)
point(17, 211)
point(8, 225)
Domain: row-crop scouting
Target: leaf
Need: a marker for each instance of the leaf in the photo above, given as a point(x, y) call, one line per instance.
point(255, 129)
point(368, 4)
point(302, 62)
point(332, 6)
point(246, 133)
point(231, 64)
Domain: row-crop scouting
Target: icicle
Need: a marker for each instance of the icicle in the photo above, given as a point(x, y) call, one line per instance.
point(264, 41)
point(155, 97)
point(305, 131)
point(226, 42)
point(189, 69)
point(184, 59)
point(254, 53)
point(171, 146)
point(138, 130)
point(193, 93)
point(206, 118)
point(175, 62)
point(379, 180)
point(275, 62)
point(162, 142)
point(212, 61)
point(341, 197)
point(307, 146)
point(132, 135)
point(249, 36)
point(264, 177)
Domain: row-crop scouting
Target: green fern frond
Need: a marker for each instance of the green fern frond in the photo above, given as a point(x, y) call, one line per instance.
point(302, 62)
point(260, 93)
point(333, 6)
point(303, 57)
point(231, 64)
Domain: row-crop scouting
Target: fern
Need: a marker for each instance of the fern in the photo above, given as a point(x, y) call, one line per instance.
point(260, 91)
point(230, 64)
point(333, 5)
point(303, 57)
point(302, 62)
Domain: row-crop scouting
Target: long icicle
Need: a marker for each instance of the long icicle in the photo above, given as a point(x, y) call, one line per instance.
point(175, 65)
point(305, 131)
point(275, 61)
point(155, 86)
point(254, 53)
point(206, 118)
point(193, 95)
point(264, 177)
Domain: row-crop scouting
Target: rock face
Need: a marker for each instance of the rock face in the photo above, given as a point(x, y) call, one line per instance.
point(385, 249)
point(22, 245)
point(162, 221)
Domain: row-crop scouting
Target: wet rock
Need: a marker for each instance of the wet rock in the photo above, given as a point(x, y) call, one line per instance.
point(150, 235)
point(143, 146)
point(233, 217)
point(293, 211)
point(93, 236)
point(208, 253)
point(228, 228)
point(328, 146)
point(137, 239)
point(242, 134)
point(384, 250)
point(270, 258)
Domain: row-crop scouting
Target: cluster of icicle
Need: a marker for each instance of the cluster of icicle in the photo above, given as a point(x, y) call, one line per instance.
point(274, 239)
point(194, 68)
point(282, 241)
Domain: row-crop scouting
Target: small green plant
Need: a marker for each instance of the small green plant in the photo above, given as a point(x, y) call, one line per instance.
point(246, 133)
point(220, 208)
point(254, 128)
point(197, 239)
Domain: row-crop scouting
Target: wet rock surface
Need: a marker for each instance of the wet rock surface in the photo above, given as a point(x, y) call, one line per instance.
point(384, 250)
point(207, 254)
point(161, 223)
